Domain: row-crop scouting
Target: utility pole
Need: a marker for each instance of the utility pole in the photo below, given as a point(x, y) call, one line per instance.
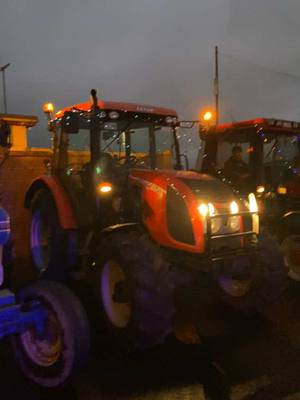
point(216, 84)
point(2, 69)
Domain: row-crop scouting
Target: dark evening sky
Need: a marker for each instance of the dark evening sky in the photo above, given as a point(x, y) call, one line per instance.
point(152, 51)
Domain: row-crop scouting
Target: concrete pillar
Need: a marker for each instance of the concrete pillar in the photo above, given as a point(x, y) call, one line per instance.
point(18, 129)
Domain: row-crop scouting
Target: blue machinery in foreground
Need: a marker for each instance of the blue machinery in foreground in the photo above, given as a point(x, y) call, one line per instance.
point(15, 318)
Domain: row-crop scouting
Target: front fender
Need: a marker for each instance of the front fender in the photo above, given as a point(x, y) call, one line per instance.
point(62, 201)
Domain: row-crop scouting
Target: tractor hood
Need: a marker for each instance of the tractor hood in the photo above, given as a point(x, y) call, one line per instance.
point(203, 186)
point(170, 205)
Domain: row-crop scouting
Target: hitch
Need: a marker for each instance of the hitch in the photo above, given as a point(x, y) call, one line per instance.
point(17, 318)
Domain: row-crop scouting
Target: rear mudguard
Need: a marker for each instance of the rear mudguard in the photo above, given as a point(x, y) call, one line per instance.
point(62, 201)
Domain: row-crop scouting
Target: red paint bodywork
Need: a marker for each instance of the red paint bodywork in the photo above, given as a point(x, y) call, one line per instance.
point(270, 124)
point(154, 193)
point(63, 204)
point(112, 105)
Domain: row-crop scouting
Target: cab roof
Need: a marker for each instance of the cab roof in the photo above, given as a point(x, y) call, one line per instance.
point(118, 106)
point(261, 124)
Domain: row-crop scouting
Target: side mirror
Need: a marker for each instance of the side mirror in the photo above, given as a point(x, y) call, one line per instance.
point(4, 135)
point(70, 122)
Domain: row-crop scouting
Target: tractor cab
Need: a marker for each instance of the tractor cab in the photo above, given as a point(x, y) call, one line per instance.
point(96, 145)
point(262, 155)
point(131, 135)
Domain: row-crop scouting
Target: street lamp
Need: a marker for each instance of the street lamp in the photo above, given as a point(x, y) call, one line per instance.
point(2, 69)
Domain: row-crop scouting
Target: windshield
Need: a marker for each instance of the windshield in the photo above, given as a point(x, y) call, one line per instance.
point(141, 144)
point(234, 160)
point(247, 159)
point(281, 157)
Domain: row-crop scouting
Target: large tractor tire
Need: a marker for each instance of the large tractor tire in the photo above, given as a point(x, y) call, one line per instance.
point(133, 289)
point(264, 286)
point(52, 248)
point(51, 358)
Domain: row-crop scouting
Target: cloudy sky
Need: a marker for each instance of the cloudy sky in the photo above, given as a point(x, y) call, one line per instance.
point(153, 51)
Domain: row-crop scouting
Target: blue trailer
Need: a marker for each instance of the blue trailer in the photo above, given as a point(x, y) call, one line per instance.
point(47, 326)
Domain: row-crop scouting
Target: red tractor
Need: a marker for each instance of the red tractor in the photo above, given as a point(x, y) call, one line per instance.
point(271, 150)
point(124, 215)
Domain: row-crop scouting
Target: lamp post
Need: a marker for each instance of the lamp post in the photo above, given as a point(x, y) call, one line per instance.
point(216, 85)
point(2, 69)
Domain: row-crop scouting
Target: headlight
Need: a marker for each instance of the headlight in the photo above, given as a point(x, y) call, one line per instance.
point(234, 222)
point(234, 207)
point(260, 189)
point(206, 209)
point(210, 210)
point(203, 210)
point(253, 207)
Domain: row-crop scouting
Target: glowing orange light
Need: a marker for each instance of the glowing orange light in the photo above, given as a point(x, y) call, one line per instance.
point(48, 108)
point(281, 189)
point(104, 187)
point(207, 116)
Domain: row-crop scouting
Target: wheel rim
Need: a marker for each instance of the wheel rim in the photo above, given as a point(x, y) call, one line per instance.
point(118, 313)
point(44, 349)
point(39, 242)
point(234, 287)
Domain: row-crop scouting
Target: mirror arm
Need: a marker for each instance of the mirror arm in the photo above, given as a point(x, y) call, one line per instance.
point(185, 157)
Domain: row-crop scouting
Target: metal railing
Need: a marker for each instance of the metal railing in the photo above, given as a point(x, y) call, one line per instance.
point(210, 237)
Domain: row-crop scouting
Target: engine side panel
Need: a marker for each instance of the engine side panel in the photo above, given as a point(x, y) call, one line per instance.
point(154, 186)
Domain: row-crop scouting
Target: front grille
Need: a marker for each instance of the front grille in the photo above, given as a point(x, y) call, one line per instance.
point(178, 218)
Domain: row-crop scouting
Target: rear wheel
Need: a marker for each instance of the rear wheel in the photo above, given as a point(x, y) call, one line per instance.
point(52, 248)
point(133, 289)
point(52, 357)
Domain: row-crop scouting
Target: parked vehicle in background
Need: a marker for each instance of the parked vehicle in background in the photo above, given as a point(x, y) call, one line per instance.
point(271, 151)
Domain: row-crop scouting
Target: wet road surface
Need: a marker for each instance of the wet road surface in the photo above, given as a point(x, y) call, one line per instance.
point(262, 361)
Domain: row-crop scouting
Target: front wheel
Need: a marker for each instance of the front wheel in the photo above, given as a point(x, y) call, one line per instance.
point(258, 282)
point(51, 358)
point(134, 293)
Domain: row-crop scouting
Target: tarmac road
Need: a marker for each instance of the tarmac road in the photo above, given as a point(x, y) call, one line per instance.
point(262, 361)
